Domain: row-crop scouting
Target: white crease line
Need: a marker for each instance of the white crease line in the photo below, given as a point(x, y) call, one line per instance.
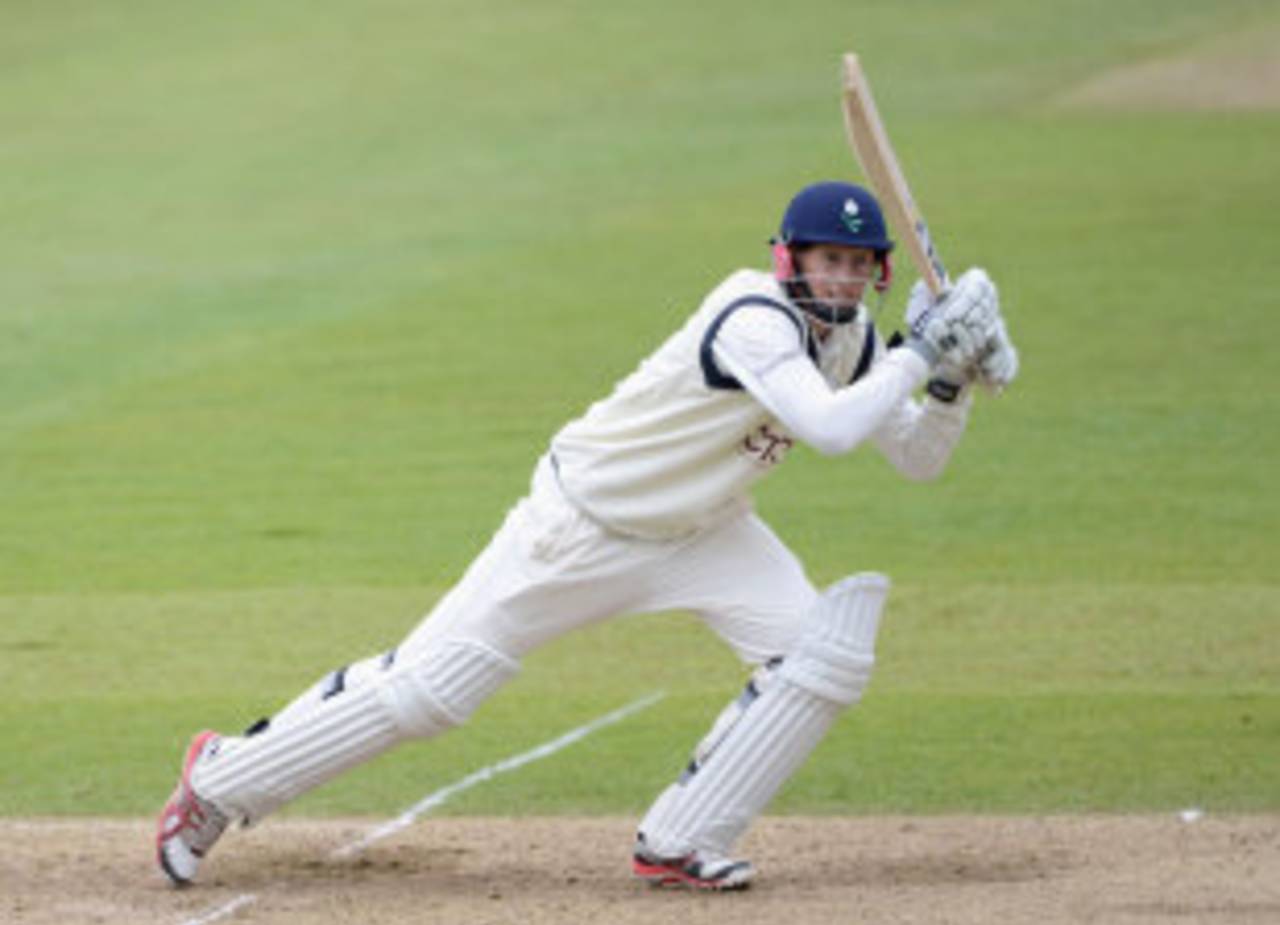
point(223, 911)
point(431, 801)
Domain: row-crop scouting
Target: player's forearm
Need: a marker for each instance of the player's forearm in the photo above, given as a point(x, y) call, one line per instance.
point(834, 422)
point(918, 440)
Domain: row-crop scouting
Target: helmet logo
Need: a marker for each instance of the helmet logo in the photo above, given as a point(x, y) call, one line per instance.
point(849, 215)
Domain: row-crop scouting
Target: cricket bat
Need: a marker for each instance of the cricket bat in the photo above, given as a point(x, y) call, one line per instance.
point(870, 143)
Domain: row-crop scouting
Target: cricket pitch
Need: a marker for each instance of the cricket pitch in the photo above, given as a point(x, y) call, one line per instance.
point(1143, 870)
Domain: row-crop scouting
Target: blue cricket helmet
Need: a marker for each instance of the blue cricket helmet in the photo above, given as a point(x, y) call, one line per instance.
point(833, 212)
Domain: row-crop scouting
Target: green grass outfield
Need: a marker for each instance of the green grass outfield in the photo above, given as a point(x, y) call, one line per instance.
point(293, 295)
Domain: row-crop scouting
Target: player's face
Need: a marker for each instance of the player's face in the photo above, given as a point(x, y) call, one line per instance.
point(837, 273)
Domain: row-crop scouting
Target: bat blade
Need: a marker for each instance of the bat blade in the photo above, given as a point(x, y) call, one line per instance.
point(870, 143)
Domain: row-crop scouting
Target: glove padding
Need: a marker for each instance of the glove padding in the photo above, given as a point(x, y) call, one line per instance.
point(962, 323)
point(966, 333)
point(948, 382)
point(999, 367)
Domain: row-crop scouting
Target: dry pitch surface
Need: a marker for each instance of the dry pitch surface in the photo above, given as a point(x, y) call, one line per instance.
point(1115, 870)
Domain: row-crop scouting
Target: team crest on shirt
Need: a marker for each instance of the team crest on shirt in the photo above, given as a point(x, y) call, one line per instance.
point(765, 446)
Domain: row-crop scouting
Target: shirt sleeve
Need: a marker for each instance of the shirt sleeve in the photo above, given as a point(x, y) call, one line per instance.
point(761, 348)
point(919, 438)
point(755, 339)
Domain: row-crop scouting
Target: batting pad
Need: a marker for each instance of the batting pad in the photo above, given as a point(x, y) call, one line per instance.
point(253, 776)
point(710, 809)
point(836, 651)
point(348, 677)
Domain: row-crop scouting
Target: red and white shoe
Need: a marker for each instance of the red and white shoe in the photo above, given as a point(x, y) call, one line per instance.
point(189, 826)
point(696, 869)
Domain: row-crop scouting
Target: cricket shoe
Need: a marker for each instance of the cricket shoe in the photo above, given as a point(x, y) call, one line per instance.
point(189, 825)
point(696, 869)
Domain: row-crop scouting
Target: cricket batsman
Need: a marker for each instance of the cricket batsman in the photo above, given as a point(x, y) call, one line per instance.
point(642, 504)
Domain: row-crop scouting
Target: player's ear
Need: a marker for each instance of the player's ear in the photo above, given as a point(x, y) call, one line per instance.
point(884, 279)
point(784, 265)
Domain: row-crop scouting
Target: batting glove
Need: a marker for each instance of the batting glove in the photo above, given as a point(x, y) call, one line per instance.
point(948, 382)
point(954, 332)
point(999, 367)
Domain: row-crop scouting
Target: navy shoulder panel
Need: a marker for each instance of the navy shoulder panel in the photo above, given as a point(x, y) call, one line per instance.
point(868, 353)
point(711, 374)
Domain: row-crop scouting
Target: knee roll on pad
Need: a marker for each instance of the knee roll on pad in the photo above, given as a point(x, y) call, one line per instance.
point(836, 650)
point(444, 686)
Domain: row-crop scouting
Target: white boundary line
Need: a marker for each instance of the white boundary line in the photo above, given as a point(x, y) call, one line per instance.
point(439, 797)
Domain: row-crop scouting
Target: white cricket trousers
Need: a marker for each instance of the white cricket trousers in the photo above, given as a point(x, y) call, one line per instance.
point(550, 569)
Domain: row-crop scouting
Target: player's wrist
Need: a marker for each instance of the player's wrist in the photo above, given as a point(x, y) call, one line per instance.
point(948, 382)
point(922, 348)
point(944, 389)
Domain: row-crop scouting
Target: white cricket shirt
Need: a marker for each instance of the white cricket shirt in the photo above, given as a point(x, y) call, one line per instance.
point(678, 444)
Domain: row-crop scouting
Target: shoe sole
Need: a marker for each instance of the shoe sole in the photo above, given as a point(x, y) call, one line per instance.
point(661, 876)
point(177, 880)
